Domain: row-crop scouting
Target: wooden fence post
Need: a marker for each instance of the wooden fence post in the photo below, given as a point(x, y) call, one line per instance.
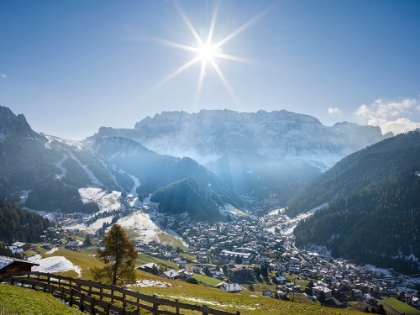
point(205, 310)
point(71, 297)
point(155, 305)
point(82, 302)
point(108, 306)
point(177, 306)
point(92, 306)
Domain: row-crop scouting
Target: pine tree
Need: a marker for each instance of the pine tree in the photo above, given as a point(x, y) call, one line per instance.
point(119, 257)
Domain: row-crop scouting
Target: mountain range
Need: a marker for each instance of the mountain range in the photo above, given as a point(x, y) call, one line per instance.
point(257, 154)
point(372, 191)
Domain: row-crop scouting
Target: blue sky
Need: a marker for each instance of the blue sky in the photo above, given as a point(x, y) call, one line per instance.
point(73, 66)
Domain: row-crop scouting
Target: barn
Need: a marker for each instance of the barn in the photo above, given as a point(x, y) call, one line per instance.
point(9, 264)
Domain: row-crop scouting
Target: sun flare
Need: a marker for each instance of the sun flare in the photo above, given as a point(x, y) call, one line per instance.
point(207, 52)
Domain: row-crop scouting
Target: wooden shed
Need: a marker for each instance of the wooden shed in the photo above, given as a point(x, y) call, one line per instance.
point(9, 264)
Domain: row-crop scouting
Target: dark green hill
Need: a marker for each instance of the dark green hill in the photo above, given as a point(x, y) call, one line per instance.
point(20, 225)
point(155, 171)
point(187, 196)
point(358, 170)
point(374, 210)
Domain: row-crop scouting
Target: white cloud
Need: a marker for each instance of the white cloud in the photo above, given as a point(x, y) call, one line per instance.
point(333, 111)
point(390, 116)
point(397, 126)
point(4, 75)
point(383, 109)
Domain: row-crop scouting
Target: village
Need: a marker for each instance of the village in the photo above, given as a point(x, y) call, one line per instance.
point(255, 254)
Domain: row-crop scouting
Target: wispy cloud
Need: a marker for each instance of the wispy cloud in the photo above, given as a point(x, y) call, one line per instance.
point(333, 111)
point(3, 75)
point(391, 116)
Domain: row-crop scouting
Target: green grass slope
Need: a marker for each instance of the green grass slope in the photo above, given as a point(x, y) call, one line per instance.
point(16, 300)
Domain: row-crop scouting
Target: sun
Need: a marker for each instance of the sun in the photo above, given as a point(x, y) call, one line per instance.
point(206, 51)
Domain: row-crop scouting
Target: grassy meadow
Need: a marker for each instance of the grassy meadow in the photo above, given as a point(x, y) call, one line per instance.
point(248, 302)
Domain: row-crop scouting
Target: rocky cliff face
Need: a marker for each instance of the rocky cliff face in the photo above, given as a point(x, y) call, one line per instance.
point(208, 135)
point(12, 126)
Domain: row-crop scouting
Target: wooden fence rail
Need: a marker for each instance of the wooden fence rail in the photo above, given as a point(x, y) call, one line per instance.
point(98, 298)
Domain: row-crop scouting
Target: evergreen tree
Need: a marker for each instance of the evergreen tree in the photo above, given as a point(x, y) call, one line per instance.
point(225, 270)
point(88, 241)
point(264, 271)
point(119, 257)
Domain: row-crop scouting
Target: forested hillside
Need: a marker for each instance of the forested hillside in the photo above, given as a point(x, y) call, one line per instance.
point(55, 196)
point(20, 225)
point(186, 196)
point(375, 219)
point(155, 171)
point(373, 164)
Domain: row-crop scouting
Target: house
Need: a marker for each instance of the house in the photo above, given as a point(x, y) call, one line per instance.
point(278, 266)
point(316, 291)
point(8, 264)
point(282, 295)
point(150, 267)
point(279, 279)
point(170, 274)
point(19, 247)
point(243, 272)
point(267, 293)
point(294, 268)
point(182, 264)
point(230, 287)
point(184, 274)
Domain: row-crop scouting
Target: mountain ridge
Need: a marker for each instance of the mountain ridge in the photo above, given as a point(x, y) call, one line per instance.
point(208, 135)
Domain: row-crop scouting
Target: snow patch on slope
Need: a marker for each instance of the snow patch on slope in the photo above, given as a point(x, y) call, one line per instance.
point(106, 201)
point(62, 168)
point(291, 224)
point(71, 143)
point(142, 224)
point(92, 228)
point(55, 264)
point(132, 197)
point(231, 210)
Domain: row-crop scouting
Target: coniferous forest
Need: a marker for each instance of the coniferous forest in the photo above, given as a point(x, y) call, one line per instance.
point(378, 223)
point(20, 225)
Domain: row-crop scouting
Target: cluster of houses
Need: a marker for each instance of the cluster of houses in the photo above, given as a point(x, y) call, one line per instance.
point(229, 251)
point(266, 240)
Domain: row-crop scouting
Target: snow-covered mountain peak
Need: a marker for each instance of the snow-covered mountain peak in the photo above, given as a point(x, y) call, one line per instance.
point(209, 134)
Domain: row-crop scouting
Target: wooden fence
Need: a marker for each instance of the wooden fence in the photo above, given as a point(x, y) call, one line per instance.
point(102, 299)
